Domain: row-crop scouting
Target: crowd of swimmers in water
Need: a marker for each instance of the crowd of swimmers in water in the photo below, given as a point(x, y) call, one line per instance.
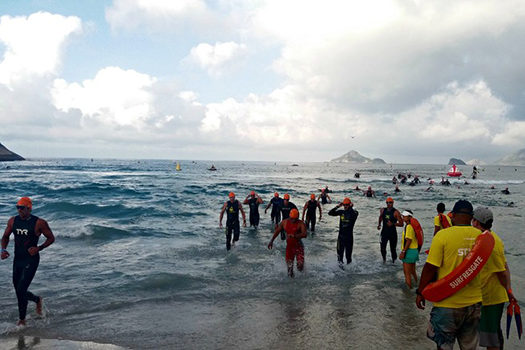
point(471, 316)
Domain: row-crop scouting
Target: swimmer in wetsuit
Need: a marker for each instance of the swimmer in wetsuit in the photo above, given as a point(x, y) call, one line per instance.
point(295, 230)
point(27, 229)
point(285, 210)
point(309, 208)
point(232, 208)
point(389, 217)
point(369, 192)
point(324, 197)
point(253, 200)
point(276, 203)
point(345, 239)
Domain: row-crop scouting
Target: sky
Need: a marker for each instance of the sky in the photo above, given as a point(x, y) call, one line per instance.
point(263, 80)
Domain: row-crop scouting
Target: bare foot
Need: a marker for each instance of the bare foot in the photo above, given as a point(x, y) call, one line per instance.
point(39, 306)
point(21, 323)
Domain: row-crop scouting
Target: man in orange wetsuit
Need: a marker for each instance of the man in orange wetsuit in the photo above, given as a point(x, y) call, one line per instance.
point(295, 230)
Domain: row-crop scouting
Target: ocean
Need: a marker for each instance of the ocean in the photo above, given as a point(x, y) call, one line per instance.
point(140, 261)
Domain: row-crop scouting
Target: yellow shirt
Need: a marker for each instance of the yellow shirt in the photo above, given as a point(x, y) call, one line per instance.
point(492, 290)
point(437, 222)
point(409, 233)
point(449, 248)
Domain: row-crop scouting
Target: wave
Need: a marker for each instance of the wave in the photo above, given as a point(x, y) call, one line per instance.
point(116, 210)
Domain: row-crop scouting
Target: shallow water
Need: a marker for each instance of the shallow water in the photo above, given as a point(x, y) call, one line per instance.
point(140, 262)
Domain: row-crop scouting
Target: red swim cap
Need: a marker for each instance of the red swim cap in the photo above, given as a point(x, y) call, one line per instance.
point(252, 193)
point(231, 195)
point(347, 201)
point(390, 199)
point(26, 202)
point(276, 194)
point(294, 214)
point(286, 196)
point(312, 196)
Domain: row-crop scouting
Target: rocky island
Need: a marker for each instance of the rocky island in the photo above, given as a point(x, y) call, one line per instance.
point(7, 155)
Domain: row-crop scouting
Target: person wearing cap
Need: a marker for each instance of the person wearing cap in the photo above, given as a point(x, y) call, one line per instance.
point(253, 200)
point(457, 316)
point(409, 249)
point(310, 208)
point(369, 192)
point(495, 285)
point(324, 198)
point(295, 230)
point(276, 203)
point(389, 217)
point(345, 238)
point(26, 229)
point(285, 210)
point(232, 208)
point(441, 220)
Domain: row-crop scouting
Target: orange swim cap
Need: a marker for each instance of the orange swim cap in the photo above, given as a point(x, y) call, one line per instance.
point(312, 196)
point(390, 199)
point(294, 214)
point(26, 202)
point(286, 196)
point(252, 193)
point(276, 194)
point(231, 194)
point(347, 201)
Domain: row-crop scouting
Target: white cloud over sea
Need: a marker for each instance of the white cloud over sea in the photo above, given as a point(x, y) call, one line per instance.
point(266, 80)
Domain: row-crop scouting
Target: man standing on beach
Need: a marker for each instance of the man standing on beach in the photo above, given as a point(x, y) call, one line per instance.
point(456, 317)
point(310, 208)
point(495, 285)
point(26, 229)
point(390, 217)
point(295, 230)
point(253, 200)
point(345, 238)
point(232, 208)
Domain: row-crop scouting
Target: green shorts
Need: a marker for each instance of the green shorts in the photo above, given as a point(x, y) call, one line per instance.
point(490, 333)
point(411, 256)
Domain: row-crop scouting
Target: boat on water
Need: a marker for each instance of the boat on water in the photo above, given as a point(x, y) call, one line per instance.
point(454, 171)
point(177, 167)
point(212, 168)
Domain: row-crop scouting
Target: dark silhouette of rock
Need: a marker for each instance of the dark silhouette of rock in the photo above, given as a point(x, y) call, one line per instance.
point(355, 157)
point(7, 155)
point(456, 161)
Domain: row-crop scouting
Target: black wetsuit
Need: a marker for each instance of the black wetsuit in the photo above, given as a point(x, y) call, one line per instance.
point(324, 198)
point(254, 211)
point(369, 193)
point(24, 265)
point(310, 213)
point(345, 239)
point(389, 233)
point(285, 211)
point(277, 204)
point(232, 222)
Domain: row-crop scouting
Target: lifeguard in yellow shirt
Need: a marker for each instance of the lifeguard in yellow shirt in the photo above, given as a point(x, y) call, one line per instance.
point(456, 317)
point(495, 285)
point(409, 252)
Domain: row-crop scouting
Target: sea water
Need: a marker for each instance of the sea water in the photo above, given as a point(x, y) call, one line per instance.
point(140, 261)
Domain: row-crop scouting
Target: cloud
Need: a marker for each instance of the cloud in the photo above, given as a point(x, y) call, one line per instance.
point(34, 45)
point(217, 58)
point(155, 14)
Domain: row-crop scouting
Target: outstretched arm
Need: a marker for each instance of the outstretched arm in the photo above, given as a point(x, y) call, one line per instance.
point(278, 230)
point(427, 275)
point(243, 215)
point(5, 238)
point(221, 214)
point(42, 227)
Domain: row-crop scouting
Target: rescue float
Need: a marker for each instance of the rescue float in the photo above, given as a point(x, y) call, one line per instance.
point(454, 171)
point(464, 272)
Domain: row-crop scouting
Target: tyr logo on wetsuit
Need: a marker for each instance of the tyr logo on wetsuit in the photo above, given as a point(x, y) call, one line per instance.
point(25, 238)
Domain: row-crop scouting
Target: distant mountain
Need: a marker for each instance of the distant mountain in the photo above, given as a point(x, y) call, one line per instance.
point(7, 155)
point(517, 158)
point(355, 157)
point(456, 161)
